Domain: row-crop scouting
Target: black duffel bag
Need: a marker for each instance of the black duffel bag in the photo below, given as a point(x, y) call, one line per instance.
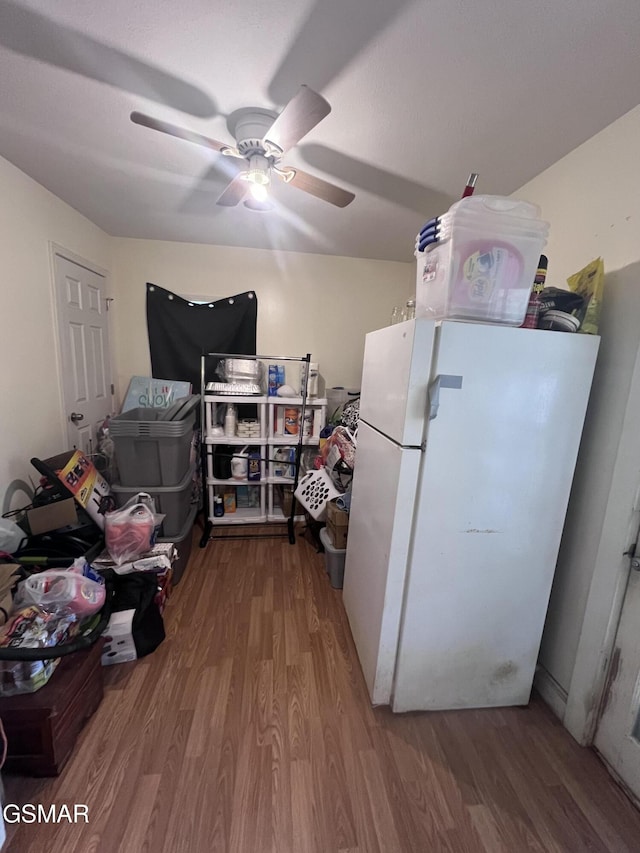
point(137, 591)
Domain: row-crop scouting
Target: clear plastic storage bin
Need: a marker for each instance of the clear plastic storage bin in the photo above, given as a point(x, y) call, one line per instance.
point(483, 265)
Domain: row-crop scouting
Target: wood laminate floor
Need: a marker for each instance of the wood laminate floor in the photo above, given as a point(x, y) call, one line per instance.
point(250, 731)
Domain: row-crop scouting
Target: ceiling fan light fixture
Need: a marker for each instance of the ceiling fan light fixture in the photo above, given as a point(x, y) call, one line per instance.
point(262, 137)
point(258, 172)
point(258, 191)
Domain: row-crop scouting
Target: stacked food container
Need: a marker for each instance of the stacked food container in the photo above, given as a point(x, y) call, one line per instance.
point(154, 454)
point(477, 262)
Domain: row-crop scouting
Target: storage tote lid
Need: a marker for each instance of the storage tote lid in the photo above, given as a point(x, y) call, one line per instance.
point(496, 204)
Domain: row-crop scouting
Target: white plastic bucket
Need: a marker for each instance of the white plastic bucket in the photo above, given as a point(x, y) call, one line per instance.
point(240, 464)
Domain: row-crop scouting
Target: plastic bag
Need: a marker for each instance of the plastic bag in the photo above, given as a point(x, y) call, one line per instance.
point(341, 444)
point(339, 456)
point(35, 628)
point(56, 591)
point(11, 536)
point(25, 676)
point(81, 567)
point(589, 284)
point(131, 530)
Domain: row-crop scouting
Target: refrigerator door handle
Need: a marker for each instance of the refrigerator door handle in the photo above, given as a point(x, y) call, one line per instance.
point(442, 380)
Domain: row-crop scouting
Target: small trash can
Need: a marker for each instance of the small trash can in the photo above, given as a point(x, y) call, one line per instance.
point(333, 560)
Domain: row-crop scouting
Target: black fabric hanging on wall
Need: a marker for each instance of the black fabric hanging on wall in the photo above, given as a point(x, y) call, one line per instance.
point(180, 331)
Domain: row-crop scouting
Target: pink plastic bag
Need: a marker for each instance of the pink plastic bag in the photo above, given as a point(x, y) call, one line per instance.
point(130, 531)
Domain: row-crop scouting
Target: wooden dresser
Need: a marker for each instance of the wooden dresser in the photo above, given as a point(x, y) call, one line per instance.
point(42, 727)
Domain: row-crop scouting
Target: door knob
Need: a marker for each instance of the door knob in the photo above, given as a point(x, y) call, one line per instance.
point(75, 417)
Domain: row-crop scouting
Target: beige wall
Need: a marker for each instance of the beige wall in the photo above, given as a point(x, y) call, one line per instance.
point(31, 418)
point(592, 199)
point(306, 303)
point(314, 303)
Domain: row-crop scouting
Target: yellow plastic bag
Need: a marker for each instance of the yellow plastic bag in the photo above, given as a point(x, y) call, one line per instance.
point(589, 283)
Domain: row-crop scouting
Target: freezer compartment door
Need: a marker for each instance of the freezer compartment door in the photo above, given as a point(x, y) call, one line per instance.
point(395, 378)
point(492, 499)
point(383, 495)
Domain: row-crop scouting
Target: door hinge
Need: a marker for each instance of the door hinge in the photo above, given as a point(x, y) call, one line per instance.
point(113, 390)
point(108, 300)
point(631, 552)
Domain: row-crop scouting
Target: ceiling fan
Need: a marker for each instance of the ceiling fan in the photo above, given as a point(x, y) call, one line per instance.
point(262, 137)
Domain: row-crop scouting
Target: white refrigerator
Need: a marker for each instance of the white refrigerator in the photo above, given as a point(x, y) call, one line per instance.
point(467, 445)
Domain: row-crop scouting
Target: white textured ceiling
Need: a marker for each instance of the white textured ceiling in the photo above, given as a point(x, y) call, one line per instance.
point(422, 93)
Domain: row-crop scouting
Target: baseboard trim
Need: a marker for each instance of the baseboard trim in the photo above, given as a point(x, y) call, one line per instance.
point(552, 693)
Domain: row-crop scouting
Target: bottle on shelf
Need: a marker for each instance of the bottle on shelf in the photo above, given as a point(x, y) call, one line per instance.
point(309, 379)
point(254, 465)
point(307, 424)
point(230, 421)
point(218, 506)
point(291, 420)
point(410, 310)
point(397, 315)
point(533, 308)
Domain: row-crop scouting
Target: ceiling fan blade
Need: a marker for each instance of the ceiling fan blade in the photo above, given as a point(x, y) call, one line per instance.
point(317, 187)
point(301, 114)
point(180, 132)
point(234, 192)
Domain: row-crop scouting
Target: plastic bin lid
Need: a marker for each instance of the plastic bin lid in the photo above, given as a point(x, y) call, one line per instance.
point(157, 490)
point(178, 411)
point(512, 227)
point(181, 409)
point(496, 204)
point(138, 414)
point(469, 219)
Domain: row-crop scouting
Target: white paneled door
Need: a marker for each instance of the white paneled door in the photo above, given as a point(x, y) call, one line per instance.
point(618, 735)
point(84, 345)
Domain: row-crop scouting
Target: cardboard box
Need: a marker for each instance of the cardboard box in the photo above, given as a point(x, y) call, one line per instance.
point(284, 498)
point(89, 487)
point(337, 525)
point(10, 574)
point(52, 516)
point(229, 502)
point(118, 639)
